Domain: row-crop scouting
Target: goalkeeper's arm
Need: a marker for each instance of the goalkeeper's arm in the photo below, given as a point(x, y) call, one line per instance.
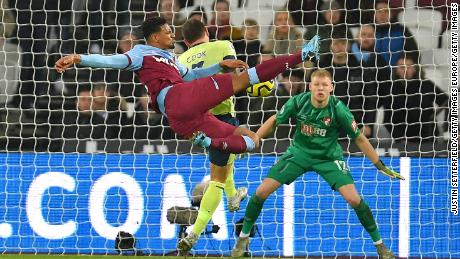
point(363, 144)
point(267, 128)
point(118, 61)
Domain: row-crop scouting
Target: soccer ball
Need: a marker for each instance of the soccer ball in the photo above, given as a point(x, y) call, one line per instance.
point(261, 89)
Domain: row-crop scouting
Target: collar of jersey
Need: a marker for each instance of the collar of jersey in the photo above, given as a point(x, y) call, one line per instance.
point(147, 49)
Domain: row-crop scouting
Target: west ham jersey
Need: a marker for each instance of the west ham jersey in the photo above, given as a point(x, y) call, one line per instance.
point(156, 69)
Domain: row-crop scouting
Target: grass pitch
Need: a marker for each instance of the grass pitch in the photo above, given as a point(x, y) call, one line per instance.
point(39, 256)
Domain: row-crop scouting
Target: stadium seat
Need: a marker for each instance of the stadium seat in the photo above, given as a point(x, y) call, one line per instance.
point(9, 69)
point(205, 3)
point(438, 70)
point(264, 4)
point(424, 24)
point(263, 16)
point(445, 39)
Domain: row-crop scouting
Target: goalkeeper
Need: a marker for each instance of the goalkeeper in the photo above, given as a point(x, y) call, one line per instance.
point(315, 147)
point(203, 53)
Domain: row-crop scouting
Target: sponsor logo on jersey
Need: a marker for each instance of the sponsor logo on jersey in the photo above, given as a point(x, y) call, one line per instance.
point(327, 121)
point(166, 61)
point(310, 130)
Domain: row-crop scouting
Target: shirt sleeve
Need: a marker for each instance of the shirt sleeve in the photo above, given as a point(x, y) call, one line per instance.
point(118, 61)
point(135, 59)
point(183, 70)
point(229, 50)
point(286, 112)
point(192, 74)
point(347, 121)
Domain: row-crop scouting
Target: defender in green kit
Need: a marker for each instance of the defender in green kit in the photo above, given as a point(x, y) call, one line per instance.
point(319, 119)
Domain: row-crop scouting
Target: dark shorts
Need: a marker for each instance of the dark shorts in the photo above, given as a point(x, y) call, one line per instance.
point(290, 167)
point(187, 106)
point(216, 156)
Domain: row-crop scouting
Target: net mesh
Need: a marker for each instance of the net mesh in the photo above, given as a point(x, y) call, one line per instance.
point(83, 157)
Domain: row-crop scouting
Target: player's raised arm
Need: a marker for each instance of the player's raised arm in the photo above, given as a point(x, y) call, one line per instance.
point(119, 61)
point(363, 144)
point(282, 116)
point(348, 123)
point(267, 128)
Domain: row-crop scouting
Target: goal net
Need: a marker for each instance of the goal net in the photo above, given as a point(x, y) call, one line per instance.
point(82, 156)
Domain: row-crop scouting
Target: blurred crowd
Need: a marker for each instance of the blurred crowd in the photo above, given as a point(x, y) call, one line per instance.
point(376, 63)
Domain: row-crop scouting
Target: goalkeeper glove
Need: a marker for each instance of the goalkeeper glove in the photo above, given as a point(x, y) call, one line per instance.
point(387, 171)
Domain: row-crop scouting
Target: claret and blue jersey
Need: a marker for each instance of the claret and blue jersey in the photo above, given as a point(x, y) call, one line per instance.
point(167, 82)
point(156, 68)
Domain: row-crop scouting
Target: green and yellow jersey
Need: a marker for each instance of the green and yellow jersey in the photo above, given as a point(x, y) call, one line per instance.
point(317, 130)
point(205, 55)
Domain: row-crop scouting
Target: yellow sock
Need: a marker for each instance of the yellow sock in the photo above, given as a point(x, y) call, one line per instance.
point(230, 189)
point(209, 204)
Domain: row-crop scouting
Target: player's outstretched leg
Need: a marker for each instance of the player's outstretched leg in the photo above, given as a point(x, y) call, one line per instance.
point(185, 244)
point(253, 210)
point(236, 144)
point(211, 199)
point(366, 218)
point(271, 68)
point(223, 164)
point(209, 204)
point(233, 202)
point(255, 205)
point(242, 140)
point(242, 244)
point(384, 252)
point(200, 139)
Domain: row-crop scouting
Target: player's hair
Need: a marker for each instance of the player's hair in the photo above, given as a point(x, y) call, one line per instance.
point(199, 10)
point(321, 73)
point(152, 26)
point(193, 30)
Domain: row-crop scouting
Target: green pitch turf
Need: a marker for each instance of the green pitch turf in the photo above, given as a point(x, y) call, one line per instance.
point(14, 256)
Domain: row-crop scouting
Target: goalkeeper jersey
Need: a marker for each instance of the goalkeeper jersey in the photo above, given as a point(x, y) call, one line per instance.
point(317, 130)
point(205, 55)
